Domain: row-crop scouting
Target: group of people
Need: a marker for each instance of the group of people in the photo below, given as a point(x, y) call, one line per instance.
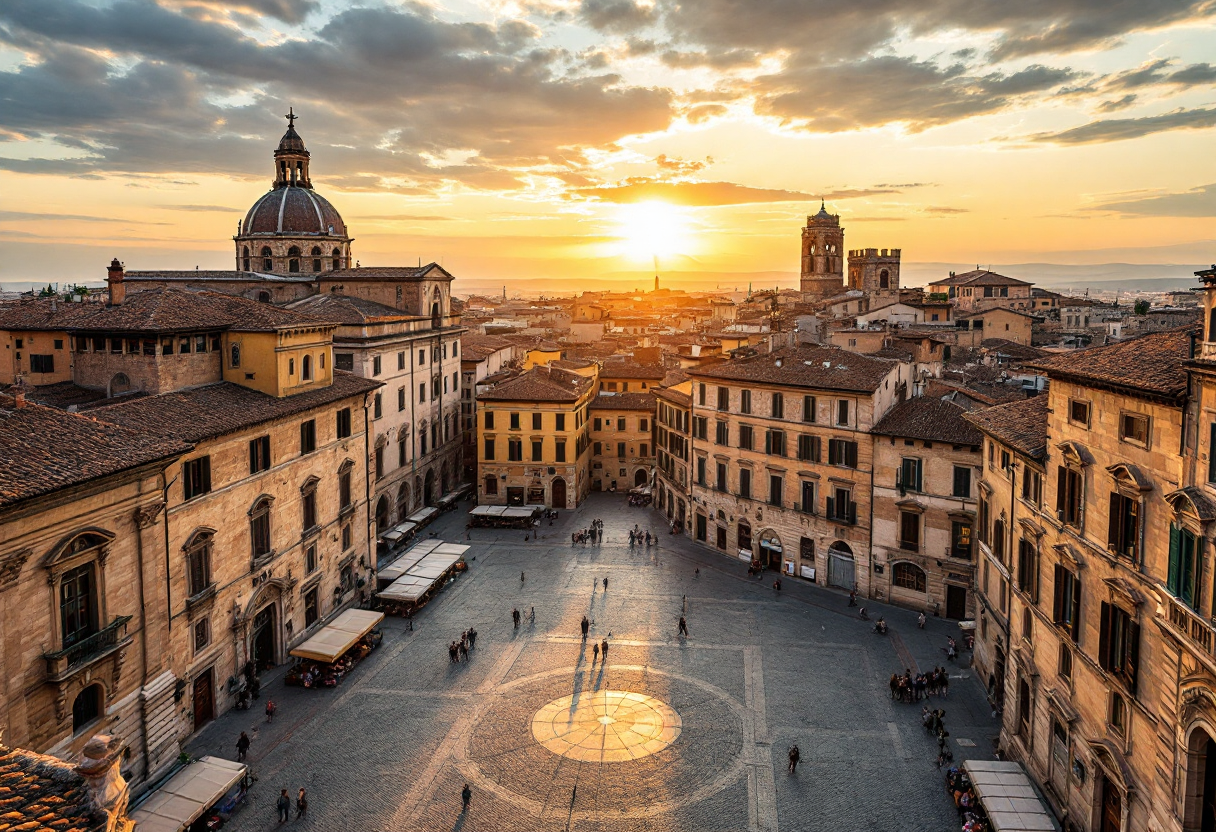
point(284, 805)
point(934, 722)
point(639, 537)
point(970, 813)
point(593, 535)
point(458, 651)
point(909, 688)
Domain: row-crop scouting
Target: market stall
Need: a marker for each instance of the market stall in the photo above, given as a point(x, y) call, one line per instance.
point(997, 796)
point(202, 795)
point(414, 584)
point(398, 534)
point(514, 517)
point(332, 651)
point(424, 516)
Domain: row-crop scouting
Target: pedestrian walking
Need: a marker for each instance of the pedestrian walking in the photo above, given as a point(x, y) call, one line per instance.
point(464, 651)
point(466, 794)
point(270, 709)
point(795, 756)
point(472, 638)
point(452, 652)
point(852, 597)
point(301, 804)
point(697, 573)
point(920, 621)
point(284, 804)
point(595, 652)
point(515, 617)
point(604, 650)
point(242, 747)
point(586, 625)
point(521, 577)
point(683, 626)
point(605, 584)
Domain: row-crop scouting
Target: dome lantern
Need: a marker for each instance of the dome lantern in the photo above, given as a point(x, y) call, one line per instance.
point(291, 157)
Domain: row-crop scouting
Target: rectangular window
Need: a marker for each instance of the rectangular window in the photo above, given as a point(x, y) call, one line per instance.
point(1066, 603)
point(347, 536)
point(808, 408)
point(515, 450)
point(380, 462)
point(808, 448)
point(1032, 487)
point(1123, 531)
point(560, 451)
point(840, 506)
point(723, 398)
point(343, 423)
point(559, 421)
point(377, 406)
point(723, 433)
point(308, 436)
point(1212, 453)
point(344, 491)
point(962, 481)
point(422, 393)
point(489, 450)
point(701, 394)
point(701, 471)
point(960, 540)
point(196, 477)
point(909, 531)
point(400, 361)
point(491, 486)
point(1078, 412)
point(1185, 566)
point(746, 437)
point(1028, 569)
point(597, 448)
point(421, 358)
point(1119, 645)
point(775, 484)
point(1068, 497)
point(514, 421)
point(42, 363)
point(1133, 428)
point(402, 451)
point(375, 365)
point(722, 476)
point(910, 474)
point(308, 507)
point(778, 406)
point(807, 503)
point(745, 401)
point(745, 483)
point(774, 442)
point(620, 450)
point(344, 361)
point(536, 421)
point(259, 454)
point(311, 613)
point(538, 450)
point(842, 452)
point(645, 451)
point(400, 399)
point(489, 420)
point(597, 424)
point(842, 412)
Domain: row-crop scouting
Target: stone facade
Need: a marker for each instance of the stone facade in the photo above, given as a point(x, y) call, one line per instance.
point(822, 257)
point(673, 433)
point(873, 270)
point(622, 441)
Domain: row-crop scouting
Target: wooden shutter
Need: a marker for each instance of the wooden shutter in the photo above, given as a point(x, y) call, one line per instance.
point(1173, 581)
point(1076, 608)
point(1061, 488)
point(1133, 655)
point(1104, 657)
point(1057, 601)
point(850, 454)
point(1114, 528)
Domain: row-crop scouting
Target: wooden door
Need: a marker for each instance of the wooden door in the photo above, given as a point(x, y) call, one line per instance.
point(956, 601)
point(204, 699)
point(1112, 808)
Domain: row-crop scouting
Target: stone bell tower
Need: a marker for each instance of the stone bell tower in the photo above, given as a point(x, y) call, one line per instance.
point(1207, 349)
point(822, 256)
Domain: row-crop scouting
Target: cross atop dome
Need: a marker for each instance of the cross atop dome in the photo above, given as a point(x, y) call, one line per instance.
point(291, 157)
point(291, 118)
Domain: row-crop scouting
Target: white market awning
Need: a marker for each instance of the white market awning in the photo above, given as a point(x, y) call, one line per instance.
point(1008, 797)
point(407, 589)
point(187, 795)
point(338, 636)
point(398, 531)
point(424, 515)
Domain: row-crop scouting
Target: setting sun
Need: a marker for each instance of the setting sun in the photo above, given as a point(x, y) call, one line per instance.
point(653, 229)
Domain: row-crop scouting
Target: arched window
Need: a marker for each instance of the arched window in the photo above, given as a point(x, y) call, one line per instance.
point(293, 259)
point(908, 576)
point(235, 351)
point(306, 368)
point(86, 709)
point(1212, 325)
point(884, 279)
point(259, 528)
point(198, 562)
point(316, 258)
point(267, 262)
point(245, 258)
point(337, 255)
point(436, 307)
point(263, 297)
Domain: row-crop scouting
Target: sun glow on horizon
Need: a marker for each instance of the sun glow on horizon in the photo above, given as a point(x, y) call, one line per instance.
point(650, 229)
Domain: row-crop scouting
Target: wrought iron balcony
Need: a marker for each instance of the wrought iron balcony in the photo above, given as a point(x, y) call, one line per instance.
point(63, 663)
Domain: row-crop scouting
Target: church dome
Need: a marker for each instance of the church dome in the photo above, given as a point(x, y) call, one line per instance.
point(292, 210)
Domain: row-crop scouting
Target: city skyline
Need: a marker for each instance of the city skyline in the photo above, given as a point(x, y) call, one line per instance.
point(605, 138)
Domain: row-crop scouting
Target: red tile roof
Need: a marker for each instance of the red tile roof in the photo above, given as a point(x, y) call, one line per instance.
point(213, 410)
point(344, 309)
point(1151, 365)
point(623, 401)
point(820, 368)
point(39, 793)
point(929, 419)
point(45, 449)
point(540, 384)
point(1022, 425)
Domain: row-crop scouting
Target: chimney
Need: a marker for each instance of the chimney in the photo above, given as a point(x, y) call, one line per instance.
point(18, 391)
point(118, 291)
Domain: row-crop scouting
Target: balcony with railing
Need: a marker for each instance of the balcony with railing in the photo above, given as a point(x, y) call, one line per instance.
point(1190, 624)
point(63, 663)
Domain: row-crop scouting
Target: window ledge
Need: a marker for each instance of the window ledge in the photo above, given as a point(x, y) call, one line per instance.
point(201, 597)
point(346, 510)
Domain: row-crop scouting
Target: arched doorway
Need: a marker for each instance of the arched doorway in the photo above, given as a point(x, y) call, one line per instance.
point(1199, 809)
point(640, 477)
point(119, 384)
point(262, 638)
point(428, 488)
point(770, 551)
point(841, 566)
point(557, 492)
point(382, 514)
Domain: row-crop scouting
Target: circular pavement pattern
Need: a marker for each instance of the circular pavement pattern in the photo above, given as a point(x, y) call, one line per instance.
point(606, 726)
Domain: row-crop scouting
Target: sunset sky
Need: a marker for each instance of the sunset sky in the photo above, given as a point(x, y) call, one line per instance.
point(516, 139)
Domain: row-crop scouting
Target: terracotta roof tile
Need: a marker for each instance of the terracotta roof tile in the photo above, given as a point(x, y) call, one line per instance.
point(46, 793)
point(674, 396)
point(1151, 364)
point(1022, 425)
point(45, 449)
point(631, 369)
point(156, 310)
point(214, 410)
point(540, 384)
point(820, 368)
point(351, 311)
point(623, 401)
point(930, 419)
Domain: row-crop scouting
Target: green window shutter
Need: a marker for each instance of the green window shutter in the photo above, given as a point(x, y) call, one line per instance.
point(1173, 581)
